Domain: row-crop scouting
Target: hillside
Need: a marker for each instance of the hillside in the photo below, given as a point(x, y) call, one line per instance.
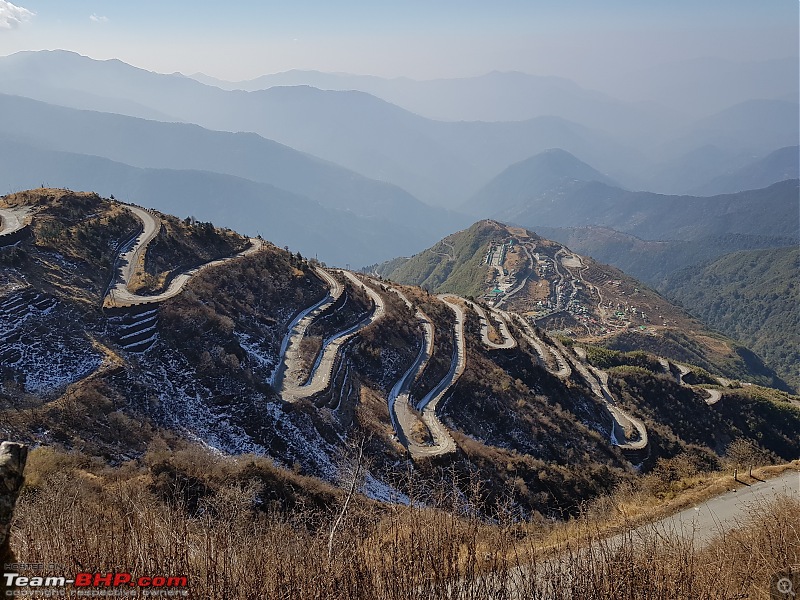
point(437, 161)
point(275, 356)
point(334, 235)
point(776, 166)
point(771, 211)
point(539, 175)
point(455, 264)
point(653, 261)
point(574, 295)
point(440, 162)
point(751, 296)
point(182, 147)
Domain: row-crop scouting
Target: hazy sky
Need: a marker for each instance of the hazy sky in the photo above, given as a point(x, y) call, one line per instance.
point(582, 39)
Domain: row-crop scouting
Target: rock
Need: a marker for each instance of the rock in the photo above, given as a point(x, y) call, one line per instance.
point(12, 464)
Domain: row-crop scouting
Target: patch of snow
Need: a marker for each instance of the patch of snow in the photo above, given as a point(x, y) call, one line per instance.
point(378, 490)
point(255, 351)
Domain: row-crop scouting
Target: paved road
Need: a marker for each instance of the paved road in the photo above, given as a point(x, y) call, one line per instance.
point(564, 370)
point(725, 512)
point(699, 524)
point(622, 423)
point(714, 396)
point(403, 420)
point(133, 259)
point(320, 377)
point(123, 297)
point(119, 295)
point(442, 441)
point(290, 346)
point(508, 339)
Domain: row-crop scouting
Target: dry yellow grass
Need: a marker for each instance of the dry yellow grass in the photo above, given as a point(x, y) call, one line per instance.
point(229, 550)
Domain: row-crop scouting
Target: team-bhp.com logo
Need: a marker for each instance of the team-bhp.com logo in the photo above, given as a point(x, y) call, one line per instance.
point(99, 584)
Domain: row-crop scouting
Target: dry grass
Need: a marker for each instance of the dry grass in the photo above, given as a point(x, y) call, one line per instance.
point(630, 506)
point(230, 547)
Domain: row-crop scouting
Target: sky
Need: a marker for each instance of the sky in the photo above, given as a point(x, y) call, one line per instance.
point(585, 40)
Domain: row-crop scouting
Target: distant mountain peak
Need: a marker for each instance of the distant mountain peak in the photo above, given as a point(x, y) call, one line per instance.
point(531, 178)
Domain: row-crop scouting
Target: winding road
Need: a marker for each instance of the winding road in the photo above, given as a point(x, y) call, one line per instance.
point(508, 339)
point(622, 424)
point(714, 396)
point(403, 420)
point(119, 295)
point(318, 381)
point(564, 370)
point(442, 442)
point(698, 526)
point(290, 346)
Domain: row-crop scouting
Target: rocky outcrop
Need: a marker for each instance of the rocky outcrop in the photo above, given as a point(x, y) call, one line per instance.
point(12, 464)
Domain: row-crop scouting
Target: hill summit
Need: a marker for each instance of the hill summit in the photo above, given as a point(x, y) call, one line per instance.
point(514, 269)
point(509, 192)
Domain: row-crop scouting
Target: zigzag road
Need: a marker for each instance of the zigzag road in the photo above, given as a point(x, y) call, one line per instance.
point(508, 339)
point(399, 399)
point(564, 370)
point(290, 347)
point(120, 296)
point(621, 422)
point(403, 420)
point(714, 396)
point(320, 378)
point(442, 440)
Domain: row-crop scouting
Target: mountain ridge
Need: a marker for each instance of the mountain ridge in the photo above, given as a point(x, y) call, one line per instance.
point(562, 291)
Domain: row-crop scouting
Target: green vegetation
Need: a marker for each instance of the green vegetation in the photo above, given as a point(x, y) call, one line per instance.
point(753, 297)
point(452, 265)
point(716, 355)
point(603, 358)
point(671, 413)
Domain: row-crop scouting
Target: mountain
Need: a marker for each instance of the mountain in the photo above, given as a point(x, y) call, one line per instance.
point(653, 261)
point(563, 292)
point(222, 359)
point(352, 129)
point(336, 236)
point(777, 166)
point(751, 296)
point(495, 96)
point(545, 173)
point(706, 85)
point(687, 171)
point(454, 264)
point(439, 162)
point(152, 144)
point(756, 125)
point(770, 211)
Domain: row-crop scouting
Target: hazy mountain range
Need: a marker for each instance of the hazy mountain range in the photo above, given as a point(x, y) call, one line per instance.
point(555, 189)
point(695, 87)
point(371, 170)
point(440, 162)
